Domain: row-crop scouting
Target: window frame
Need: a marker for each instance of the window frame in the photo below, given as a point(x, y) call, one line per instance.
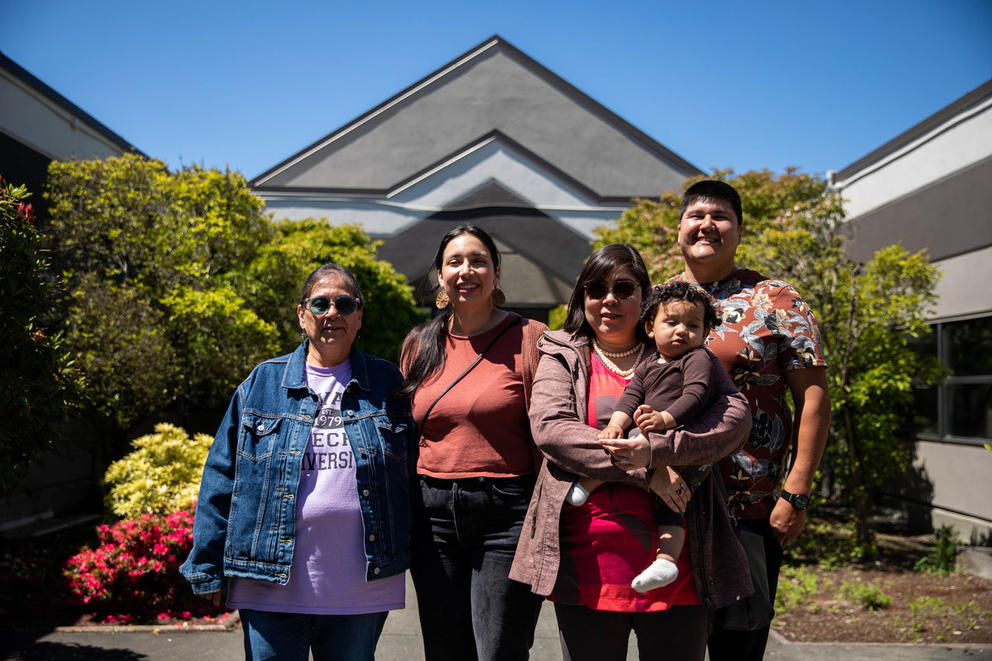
point(944, 399)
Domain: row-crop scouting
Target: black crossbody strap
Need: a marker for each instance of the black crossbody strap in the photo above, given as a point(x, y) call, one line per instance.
point(468, 369)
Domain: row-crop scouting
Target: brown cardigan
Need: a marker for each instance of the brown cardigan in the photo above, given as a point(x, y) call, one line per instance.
point(571, 449)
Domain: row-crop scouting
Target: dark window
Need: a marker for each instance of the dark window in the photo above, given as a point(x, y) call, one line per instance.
point(961, 407)
point(969, 347)
point(971, 410)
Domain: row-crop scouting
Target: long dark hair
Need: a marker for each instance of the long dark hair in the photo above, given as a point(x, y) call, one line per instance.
point(603, 263)
point(433, 335)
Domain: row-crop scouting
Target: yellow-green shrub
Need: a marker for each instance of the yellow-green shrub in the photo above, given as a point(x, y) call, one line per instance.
point(161, 475)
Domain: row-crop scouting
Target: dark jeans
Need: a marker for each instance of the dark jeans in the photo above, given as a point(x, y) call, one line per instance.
point(590, 635)
point(749, 645)
point(292, 636)
point(465, 534)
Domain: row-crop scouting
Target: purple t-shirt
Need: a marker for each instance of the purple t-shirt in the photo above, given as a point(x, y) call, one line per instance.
point(328, 571)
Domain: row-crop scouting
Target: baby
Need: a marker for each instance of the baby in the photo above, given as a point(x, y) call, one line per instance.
point(664, 393)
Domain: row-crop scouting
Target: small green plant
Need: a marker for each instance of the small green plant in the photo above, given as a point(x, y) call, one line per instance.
point(796, 587)
point(160, 476)
point(924, 606)
point(933, 614)
point(868, 595)
point(942, 556)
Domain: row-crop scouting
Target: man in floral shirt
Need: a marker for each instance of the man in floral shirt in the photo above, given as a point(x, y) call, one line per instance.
point(768, 342)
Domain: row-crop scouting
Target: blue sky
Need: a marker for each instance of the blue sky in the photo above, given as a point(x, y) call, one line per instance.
point(742, 85)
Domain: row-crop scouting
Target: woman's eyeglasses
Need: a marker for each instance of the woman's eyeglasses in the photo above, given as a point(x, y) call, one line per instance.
point(622, 289)
point(343, 304)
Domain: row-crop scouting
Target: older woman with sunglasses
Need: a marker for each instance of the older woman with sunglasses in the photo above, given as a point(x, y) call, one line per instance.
point(585, 557)
point(303, 511)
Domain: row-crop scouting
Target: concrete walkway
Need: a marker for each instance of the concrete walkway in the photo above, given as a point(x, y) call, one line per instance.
point(400, 641)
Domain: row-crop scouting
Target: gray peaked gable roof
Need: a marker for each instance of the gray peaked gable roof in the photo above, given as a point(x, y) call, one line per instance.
point(492, 91)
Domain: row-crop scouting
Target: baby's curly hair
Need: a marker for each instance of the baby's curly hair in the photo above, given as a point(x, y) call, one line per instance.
point(678, 290)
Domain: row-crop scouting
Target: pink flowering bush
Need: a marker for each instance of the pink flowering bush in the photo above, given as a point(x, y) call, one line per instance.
point(134, 572)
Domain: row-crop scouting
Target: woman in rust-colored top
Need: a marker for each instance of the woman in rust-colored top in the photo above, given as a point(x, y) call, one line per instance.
point(477, 461)
point(585, 557)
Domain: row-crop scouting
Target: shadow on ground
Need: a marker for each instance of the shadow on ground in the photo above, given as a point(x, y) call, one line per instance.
point(47, 651)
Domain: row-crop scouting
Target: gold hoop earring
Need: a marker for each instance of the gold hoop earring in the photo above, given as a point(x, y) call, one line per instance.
point(499, 298)
point(441, 301)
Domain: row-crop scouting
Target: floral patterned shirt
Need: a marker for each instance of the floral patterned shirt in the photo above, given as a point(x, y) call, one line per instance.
point(766, 328)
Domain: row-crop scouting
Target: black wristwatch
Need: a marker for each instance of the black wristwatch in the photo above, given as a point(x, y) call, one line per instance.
point(797, 500)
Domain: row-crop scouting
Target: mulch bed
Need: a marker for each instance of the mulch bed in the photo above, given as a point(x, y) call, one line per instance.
point(925, 608)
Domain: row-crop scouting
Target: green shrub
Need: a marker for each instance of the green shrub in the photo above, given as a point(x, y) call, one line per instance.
point(37, 381)
point(942, 556)
point(161, 475)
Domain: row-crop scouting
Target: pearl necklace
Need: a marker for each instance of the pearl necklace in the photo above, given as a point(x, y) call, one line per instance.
point(610, 365)
point(617, 354)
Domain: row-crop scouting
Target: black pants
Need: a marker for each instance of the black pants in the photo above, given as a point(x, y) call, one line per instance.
point(590, 635)
point(749, 645)
point(465, 535)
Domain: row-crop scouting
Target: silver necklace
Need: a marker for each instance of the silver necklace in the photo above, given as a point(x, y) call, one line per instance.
point(610, 365)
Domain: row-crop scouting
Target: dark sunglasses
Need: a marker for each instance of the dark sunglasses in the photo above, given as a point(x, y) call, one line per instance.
point(622, 289)
point(343, 304)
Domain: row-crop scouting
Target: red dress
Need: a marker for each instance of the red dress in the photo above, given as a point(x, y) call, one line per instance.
point(613, 537)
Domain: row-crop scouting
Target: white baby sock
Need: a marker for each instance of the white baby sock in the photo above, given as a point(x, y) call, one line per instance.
point(577, 495)
point(661, 572)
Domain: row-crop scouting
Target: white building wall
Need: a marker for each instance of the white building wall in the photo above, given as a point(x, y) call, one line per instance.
point(46, 127)
point(959, 470)
point(961, 492)
point(952, 146)
point(963, 288)
point(434, 191)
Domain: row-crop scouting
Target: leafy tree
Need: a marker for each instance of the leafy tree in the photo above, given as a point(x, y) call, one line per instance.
point(119, 342)
point(274, 279)
point(148, 256)
point(180, 283)
point(37, 381)
point(219, 339)
point(868, 313)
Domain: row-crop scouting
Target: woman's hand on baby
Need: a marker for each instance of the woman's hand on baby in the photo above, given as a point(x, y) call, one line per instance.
point(628, 453)
point(610, 431)
point(671, 488)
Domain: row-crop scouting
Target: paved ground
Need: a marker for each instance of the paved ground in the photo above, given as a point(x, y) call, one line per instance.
point(400, 642)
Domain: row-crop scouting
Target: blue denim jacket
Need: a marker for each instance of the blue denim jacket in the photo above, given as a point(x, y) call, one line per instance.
point(246, 514)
